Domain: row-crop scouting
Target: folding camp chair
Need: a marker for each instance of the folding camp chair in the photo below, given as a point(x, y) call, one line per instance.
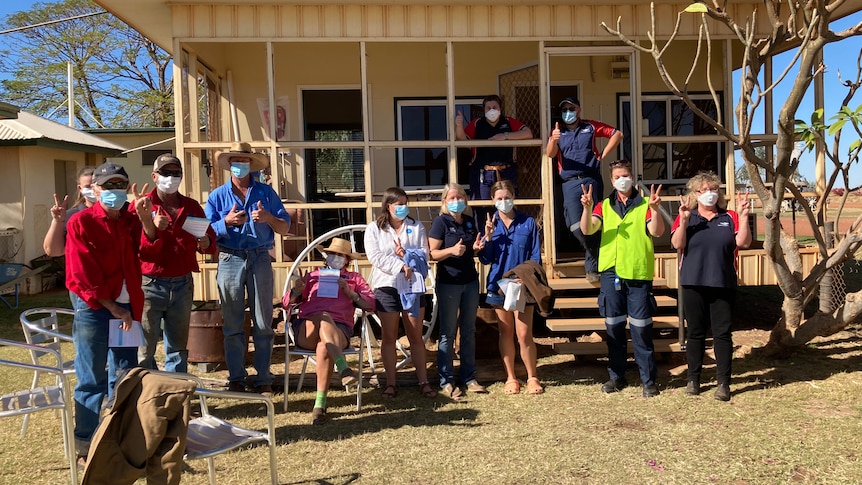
point(11, 276)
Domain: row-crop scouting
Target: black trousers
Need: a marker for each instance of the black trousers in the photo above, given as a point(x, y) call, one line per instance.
point(707, 308)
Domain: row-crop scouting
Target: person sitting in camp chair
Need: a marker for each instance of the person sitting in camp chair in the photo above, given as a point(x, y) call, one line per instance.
point(327, 298)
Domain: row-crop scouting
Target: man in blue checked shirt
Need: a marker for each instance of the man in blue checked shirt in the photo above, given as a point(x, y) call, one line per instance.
point(245, 215)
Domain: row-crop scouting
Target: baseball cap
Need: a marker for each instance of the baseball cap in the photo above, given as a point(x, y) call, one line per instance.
point(570, 100)
point(108, 171)
point(166, 159)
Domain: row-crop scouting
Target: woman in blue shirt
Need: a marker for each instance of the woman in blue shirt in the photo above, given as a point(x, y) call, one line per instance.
point(511, 238)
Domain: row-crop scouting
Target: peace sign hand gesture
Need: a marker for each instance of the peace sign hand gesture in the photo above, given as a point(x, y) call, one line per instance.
point(58, 211)
point(684, 209)
point(399, 249)
point(479, 243)
point(143, 205)
point(743, 205)
point(587, 196)
point(489, 225)
point(654, 197)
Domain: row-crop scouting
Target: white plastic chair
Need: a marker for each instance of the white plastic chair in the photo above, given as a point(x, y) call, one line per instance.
point(44, 332)
point(360, 316)
point(56, 397)
point(209, 435)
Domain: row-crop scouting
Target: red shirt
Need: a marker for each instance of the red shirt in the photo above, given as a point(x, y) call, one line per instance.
point(101, 254)
point(174, 251)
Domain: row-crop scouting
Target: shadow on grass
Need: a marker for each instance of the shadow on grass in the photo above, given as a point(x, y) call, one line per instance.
point(336, 480)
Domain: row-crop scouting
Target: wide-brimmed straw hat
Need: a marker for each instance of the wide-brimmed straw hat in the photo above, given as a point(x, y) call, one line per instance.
point(259, 161)
point(340, 246)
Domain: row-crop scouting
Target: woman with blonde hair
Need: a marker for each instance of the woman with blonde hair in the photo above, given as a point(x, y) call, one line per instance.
point(708, 243)
point(453, 239)
point(390, 241)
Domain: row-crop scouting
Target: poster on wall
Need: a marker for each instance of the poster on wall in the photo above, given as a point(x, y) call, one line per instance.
point(281, 127)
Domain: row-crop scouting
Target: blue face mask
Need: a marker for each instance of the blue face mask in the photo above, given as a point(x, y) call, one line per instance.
point(569, 117)
point(113, 199)
point(240, 169)
point(456, 207)
point(401, 212)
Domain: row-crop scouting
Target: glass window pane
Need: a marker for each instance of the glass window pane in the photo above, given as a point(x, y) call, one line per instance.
point(686, 123)
point(691, 158)
point(655, 161)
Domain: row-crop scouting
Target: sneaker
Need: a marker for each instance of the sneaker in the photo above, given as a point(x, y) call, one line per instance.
point(348, 377)
point(692, 388)
point(318, 416)
point(650, 391)
point(722, 392)
point(474, 386)
point(264, 390)
point(452, 391)
point(236, 386)
point(614, 385)
point(593, 277)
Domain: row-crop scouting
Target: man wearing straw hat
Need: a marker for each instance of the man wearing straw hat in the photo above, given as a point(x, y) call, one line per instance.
point(245, 215)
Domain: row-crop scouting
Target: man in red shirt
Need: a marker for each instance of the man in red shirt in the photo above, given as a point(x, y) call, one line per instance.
point(168, 258)
point(103, 270)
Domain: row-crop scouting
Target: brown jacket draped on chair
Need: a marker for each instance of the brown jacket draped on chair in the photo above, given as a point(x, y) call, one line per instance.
point(145, 430)
point(533, 278)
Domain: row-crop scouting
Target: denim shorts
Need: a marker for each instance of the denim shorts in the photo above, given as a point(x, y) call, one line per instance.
point(388, 300)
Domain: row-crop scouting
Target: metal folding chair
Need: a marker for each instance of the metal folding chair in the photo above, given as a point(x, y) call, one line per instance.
point(44, 332)
point(361, 317)
point(55, 397)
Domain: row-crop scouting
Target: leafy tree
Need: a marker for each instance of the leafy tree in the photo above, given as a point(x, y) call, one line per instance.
point(121, 79)
point(801, 27)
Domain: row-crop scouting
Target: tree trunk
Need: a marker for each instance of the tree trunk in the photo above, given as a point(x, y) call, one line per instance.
point(791, 333)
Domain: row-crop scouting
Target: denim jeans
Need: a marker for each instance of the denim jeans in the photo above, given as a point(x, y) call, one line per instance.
point(635, 300)
point(573, 209)
point(237, 275)
point(167, 300)
point(458, 306)
point(90, 337)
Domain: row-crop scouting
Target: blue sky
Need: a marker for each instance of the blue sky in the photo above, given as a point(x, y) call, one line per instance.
point(837, 58)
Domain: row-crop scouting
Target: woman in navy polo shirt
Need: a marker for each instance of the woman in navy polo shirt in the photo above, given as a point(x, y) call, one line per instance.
point(512, 238)
point(453, 239)
point(707, 274)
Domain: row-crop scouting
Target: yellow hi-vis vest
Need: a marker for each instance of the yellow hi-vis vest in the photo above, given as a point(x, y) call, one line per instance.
point(626, 244)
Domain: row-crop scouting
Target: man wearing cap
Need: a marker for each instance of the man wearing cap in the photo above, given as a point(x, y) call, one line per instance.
point(103, 270)
point(491, 164)
point(168, 258)
point(245, 215)
point(579, 165)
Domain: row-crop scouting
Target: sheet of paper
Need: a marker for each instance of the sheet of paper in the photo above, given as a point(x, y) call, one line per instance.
point(414, 285)
point(196, 226)
point(327, 286)
point(117, 337)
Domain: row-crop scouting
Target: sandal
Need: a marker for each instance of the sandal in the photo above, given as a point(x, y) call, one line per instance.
point(534, 386)
point(427, 390)
point(512, 387)
point(389, 392)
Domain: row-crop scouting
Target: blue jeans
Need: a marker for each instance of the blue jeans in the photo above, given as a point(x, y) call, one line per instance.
point(236, 275)
point(90, 336)
point(168, 300)
point(573, 209)
point(635, 300)
point(458, 306)
point(487, 178)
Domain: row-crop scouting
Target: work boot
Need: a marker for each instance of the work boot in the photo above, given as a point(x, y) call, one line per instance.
point(614, 385)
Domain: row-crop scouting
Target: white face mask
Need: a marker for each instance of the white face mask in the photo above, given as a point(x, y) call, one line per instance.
point(335, 261)
point(623, 184)
point(492, 115)
point(708, 198)
point(88, 194)
point(504, 205)
point(169, 185)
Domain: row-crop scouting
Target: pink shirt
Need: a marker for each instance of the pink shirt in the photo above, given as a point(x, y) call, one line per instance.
point(341, 308)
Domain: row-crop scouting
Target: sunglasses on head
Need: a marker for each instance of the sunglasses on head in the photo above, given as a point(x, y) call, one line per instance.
point(170, 173)
point(621, 163)
point(115, 185)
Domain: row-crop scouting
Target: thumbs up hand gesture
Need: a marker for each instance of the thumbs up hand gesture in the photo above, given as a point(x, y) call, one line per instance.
point(555, 134)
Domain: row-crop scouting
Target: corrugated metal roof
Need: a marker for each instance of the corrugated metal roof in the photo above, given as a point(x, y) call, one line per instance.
point(31, 128)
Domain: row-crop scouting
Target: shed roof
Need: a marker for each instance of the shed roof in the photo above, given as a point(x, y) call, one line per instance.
point(29, 129)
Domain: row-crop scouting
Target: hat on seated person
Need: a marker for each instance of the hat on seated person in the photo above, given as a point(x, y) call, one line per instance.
point(166, 159)
point(259, 161)
point(340, 246)
point(109, 171)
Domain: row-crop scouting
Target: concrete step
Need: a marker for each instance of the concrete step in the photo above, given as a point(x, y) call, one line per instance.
point(588, 302)
point(598, 323)
point(600, 348)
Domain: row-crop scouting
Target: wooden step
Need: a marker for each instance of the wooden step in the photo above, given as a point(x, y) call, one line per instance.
point(601, 348)
point(588, 302)
point(598, 323)
point(575, 283)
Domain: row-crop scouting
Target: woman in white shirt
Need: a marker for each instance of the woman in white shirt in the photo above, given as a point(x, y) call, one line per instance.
point(388, 240)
